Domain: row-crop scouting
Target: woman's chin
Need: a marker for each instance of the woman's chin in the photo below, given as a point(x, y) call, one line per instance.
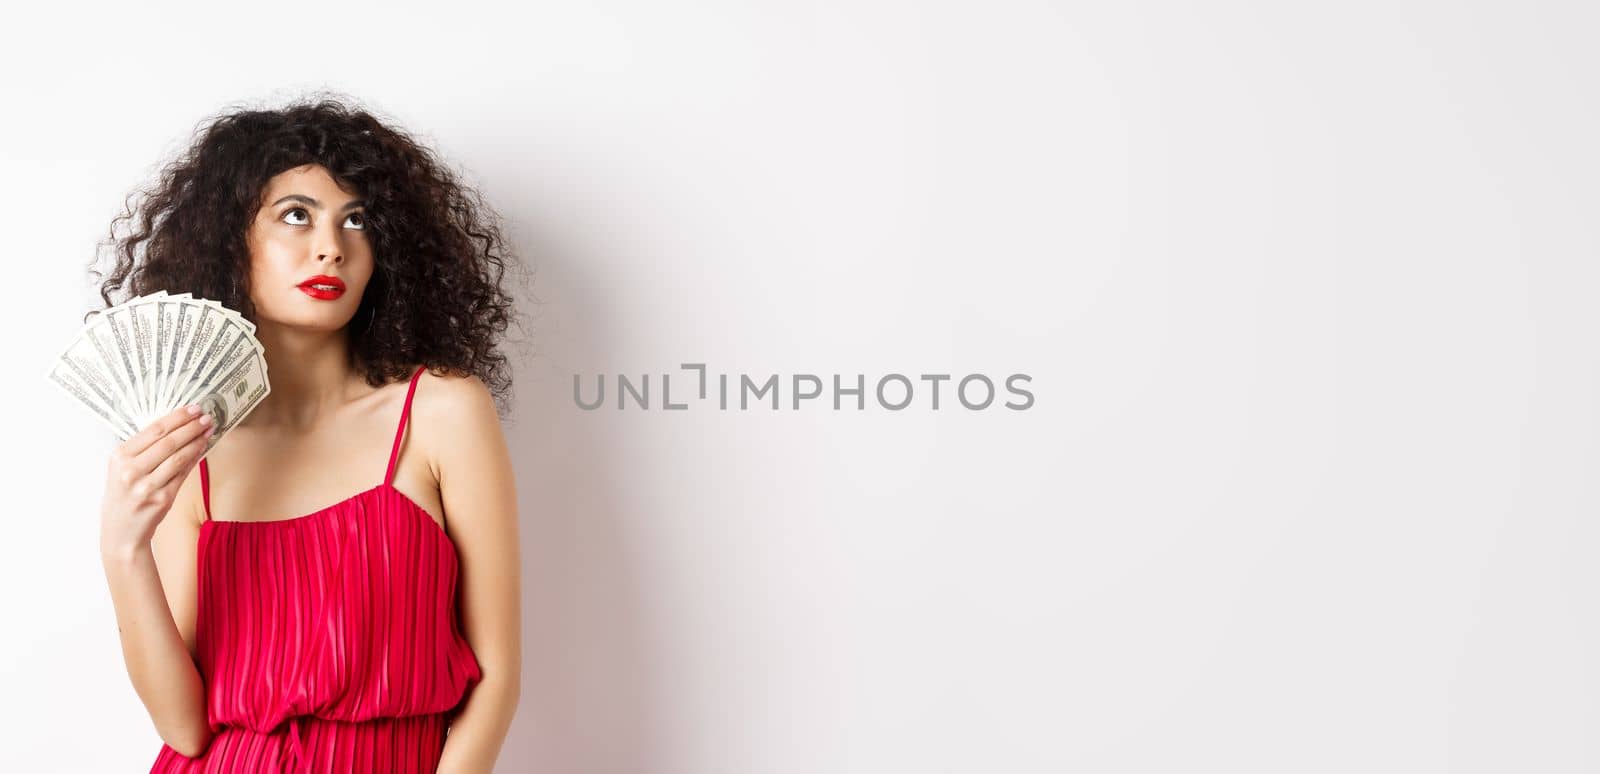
point(308, 323)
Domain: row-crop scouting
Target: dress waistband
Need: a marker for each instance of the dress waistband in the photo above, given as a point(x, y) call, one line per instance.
point(296, 748)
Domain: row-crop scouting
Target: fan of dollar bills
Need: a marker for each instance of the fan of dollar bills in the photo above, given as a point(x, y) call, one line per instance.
point(137, 361)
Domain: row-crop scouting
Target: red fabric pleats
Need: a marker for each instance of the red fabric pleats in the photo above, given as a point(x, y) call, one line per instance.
point(330, 642)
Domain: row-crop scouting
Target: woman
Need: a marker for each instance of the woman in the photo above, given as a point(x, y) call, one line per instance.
point(270, 619)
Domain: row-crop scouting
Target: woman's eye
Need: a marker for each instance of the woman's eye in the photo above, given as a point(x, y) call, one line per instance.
point(360, 220)
point(293, 211)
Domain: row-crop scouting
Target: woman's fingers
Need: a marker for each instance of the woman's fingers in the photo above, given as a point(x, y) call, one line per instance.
point(171, 442)
point(155, 431)
point(171, 472)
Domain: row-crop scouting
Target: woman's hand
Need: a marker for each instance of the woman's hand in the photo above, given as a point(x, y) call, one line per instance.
point(144, 475)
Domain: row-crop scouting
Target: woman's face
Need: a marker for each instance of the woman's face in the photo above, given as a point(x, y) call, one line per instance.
point(307, 231)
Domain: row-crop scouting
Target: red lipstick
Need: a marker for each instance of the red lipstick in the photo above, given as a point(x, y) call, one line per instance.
point(323, 287)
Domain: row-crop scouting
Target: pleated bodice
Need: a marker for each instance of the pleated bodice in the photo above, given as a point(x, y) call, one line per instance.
point(329, 642)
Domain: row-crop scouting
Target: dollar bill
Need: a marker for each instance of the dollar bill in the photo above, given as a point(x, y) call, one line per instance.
point(80, 370)
point(238, 391)
point(62, 375)
point(141, 319)
point(135, 362)
point(227, 346)
point(108, 357)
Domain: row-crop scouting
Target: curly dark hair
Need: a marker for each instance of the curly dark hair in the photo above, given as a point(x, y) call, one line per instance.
point(436, 294)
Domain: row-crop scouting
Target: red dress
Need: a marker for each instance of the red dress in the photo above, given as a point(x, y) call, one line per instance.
point(329, 642)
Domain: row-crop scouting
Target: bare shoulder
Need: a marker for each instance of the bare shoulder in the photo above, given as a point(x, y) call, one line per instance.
point(452, 398)
point(459, 430)
point(455, 418)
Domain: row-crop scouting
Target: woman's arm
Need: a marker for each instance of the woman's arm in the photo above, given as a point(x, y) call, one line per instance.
point(480, 504)
point(152, 582)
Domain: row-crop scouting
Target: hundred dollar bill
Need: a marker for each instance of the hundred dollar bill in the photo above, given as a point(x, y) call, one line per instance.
point(164, 344)
point(142, 319)
point(217, 305)
point(62, 374)
point(227, 345)
point(117, 321)
point(204, 335)
point(235, 393)
point(181, 314)
point(82, 360)
point(98, 334)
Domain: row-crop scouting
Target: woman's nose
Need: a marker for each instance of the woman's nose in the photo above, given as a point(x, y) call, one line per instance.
point(329, 246)
point(330, 251)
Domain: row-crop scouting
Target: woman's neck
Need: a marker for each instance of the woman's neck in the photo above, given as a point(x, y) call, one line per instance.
point(310, 375)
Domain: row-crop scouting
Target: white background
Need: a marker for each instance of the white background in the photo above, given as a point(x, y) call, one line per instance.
point(1306, 292)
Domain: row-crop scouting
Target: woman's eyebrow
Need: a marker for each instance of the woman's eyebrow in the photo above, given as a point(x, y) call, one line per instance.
point(354, 203)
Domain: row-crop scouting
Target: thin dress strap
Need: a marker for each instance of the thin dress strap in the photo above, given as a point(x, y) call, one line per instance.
point(405, 411)
point(205, 487)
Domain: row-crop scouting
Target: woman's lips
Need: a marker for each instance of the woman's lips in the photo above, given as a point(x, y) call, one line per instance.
point(323, 293)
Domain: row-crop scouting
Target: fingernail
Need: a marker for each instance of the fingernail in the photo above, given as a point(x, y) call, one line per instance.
point(194, 408)
point(205, 419)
